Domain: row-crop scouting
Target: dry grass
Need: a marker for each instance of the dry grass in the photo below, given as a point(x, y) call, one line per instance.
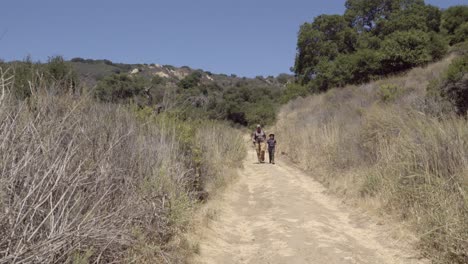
point(85, 182)
point(385, 142)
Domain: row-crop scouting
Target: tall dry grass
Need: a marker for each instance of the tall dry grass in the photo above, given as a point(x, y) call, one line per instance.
point(386, 142)
point(87, 182)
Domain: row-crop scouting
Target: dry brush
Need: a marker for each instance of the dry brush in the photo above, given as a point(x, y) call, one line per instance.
point(387, 142)
point(89, 182)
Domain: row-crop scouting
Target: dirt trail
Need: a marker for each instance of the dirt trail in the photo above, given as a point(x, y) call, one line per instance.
point(277, 214)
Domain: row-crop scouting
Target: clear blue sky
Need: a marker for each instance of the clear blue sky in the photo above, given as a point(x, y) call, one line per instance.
point(243, 37)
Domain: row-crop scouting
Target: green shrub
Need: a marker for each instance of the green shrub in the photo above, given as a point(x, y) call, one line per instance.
point(56, 74)
point(119, 88)
point(60, 71)
point(437, 46)
point(389, 92)
point(283, 78)
point(454, 84)
point(461, 34)
point(454, 17)
point(261, 112)
point(191, 80)
point(354, 68)
point(292, 91)
point(24, 72)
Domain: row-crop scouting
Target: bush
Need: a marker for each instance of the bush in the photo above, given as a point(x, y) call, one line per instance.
point(454, 17)
point(292, 91)
point(93, 182)
point(191, 80)
point(460, 35)
point(283, 78)
point(454, 84)
point(405, 162)
point(438, 46)
point(389, 92)
point(23, 73)
point(261, 112)
point(119, 88)
point(58, 75)
point(354, 68)
point(61, 73)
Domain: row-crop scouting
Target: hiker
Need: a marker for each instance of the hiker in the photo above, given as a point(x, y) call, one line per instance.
point(259, 140)
point(271, 142)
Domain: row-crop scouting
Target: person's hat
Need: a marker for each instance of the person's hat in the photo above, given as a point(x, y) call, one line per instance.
point(271, 135)
point(259, 126)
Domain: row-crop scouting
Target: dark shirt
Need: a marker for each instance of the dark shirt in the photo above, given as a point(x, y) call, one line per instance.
point(271, 143)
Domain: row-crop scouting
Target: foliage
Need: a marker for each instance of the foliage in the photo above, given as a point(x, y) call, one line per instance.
point(292, 91)
point(23, 73)
point(283, 78)
point(454, 84)
point(394, 157)
point(57, 74)
point(366, 14)
point(191, 80)
point(119, 88)
point(58, 70)
point(460, 34)
point(247, 106)
point(372, 38)
point(405, 49)
point(323, 39)
point(421, 17)
point(389, 92)
point(111, 183)
point(454, 17)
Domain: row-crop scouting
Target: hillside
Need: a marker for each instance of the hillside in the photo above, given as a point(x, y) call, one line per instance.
point(85, 181)
point(192, 93)
point(107, 162)
point(92, 71)
point(393, 147)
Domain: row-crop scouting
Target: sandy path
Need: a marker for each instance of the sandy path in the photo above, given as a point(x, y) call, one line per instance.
point(277, 214)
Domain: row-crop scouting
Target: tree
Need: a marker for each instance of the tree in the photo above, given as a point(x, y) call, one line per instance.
point(336, 30)
point(323, 39)
point(405, 49)
point(364, 15)
point(354, 68)
point(461, 34)
point(454, 17)
point(417, 17)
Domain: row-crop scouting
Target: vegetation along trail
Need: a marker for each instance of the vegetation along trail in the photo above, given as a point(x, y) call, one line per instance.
point(277, 214)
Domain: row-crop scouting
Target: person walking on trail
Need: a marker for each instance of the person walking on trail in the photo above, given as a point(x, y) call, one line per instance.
point(271, 142)
point(259, 140)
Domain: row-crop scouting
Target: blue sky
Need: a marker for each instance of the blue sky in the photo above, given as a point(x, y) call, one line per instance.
point(242, 37)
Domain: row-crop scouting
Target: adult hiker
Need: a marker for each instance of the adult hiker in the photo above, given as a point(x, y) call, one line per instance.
point(259, 139)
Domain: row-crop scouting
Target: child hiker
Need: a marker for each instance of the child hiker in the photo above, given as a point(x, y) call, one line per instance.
point(271, 148)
